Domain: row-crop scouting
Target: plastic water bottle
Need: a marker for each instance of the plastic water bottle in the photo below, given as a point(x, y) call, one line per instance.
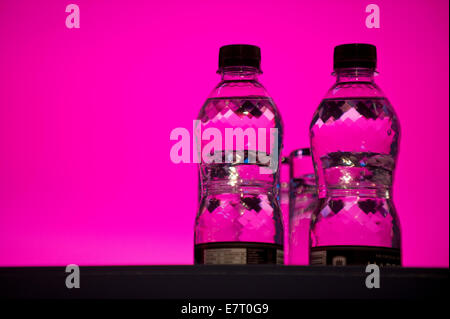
point(354, 139)
point(239, 218)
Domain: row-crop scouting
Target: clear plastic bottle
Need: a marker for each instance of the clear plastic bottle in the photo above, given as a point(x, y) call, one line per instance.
point(354, 139)
point(239, 218)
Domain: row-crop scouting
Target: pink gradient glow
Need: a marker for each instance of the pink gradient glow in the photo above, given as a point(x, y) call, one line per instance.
point(86, 115)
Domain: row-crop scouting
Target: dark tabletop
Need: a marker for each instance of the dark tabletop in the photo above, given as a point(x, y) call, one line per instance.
point(222, 282)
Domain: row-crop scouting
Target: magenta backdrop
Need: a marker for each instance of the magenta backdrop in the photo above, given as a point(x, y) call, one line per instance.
point(86, 114)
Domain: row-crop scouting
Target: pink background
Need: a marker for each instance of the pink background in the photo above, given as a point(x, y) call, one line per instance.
point(86, 114)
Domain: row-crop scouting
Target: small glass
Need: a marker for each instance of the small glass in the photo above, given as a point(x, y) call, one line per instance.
point(284, 202)
point(303, 200)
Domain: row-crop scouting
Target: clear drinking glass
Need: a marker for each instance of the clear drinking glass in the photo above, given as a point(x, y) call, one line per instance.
point(284, 202)
point(303, 202)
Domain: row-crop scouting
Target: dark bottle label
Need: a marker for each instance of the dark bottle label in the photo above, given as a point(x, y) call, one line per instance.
point(247, 253)
point(354, 255)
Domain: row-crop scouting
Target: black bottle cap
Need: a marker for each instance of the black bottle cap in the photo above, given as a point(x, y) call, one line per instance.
point(355, 55)
point(240, 55)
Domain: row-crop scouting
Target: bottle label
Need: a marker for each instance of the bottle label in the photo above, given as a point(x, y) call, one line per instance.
point(354, 255)
point(246, 253)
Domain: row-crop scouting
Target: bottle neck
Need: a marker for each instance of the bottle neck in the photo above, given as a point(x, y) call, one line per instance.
point(243, 73)
point(354, 75)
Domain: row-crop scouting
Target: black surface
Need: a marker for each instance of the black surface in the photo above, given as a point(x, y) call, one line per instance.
point(355, 55)
point(223, 282)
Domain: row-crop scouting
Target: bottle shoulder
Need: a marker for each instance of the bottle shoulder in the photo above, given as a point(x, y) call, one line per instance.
point(363, 106)
point(354, 90)
point(247, 98)
point(239, 88)
point(357, 94)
